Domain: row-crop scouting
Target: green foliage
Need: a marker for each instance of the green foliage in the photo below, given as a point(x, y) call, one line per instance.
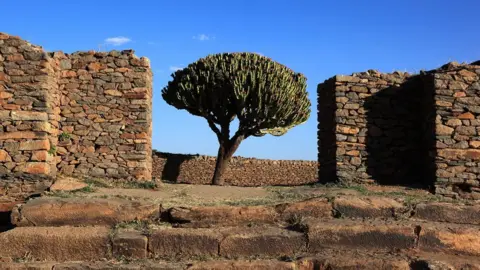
point(64, 136)
point(267, 97)
point(53, 150)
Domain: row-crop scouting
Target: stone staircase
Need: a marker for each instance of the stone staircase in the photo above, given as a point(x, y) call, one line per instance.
point(343, 232)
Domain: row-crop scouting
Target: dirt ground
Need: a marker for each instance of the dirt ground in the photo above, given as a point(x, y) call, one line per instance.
point(191, 195)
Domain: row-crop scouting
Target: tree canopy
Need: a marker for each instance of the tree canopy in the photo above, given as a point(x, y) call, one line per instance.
point(265, 96)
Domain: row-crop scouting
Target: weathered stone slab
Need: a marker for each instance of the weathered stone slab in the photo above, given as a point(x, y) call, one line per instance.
point(130, 244)
point(222, 215)
point(67, 184)
point(448, 212)
point(184, 242)
point(262, 242)
point(29, 116)
point(241, 265)
point(22, 135)
point(349, 261)
point(450, 239)
point(56, 243)
point(78, 211)
point(349, 234)
point(27, 266)
point(140, 265)
point(366, 207)
point(315, 208)
point(7, 206)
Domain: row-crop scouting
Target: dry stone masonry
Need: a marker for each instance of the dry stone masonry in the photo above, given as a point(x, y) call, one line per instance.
point(197, 169)
point(105, 107)
point(417, 130)
point(79, 114)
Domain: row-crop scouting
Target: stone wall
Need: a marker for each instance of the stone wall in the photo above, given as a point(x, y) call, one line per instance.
point(197, 169)
point(81, 114)
point(401, 129)
point(106, 115)
point(28, 116)
point(457, 102)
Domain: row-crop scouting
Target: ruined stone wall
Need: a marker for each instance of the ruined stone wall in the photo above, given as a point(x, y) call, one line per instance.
point(86, 114)
point(196, 169)
point(372, 128)
point(457, 102)
point(106, 115)
point(405, 130)
point(28, 117)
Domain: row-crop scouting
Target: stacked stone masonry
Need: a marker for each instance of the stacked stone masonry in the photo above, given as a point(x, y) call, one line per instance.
point(79, 114)
point(418, 130)
point(197, 169)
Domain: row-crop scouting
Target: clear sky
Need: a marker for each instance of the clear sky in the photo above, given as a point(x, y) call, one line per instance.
point(317, 38)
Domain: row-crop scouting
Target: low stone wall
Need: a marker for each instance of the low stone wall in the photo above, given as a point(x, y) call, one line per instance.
point(197, 169)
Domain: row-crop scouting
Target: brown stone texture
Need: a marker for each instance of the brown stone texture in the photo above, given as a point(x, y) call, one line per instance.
point(27, 266)
point(348, 234)
point(448, 212)
point(373, 127)
point(184, 243)
point(137, 265)
point(241, 265)
point(197, 169)
point(76, 211)
point(67, 184)
point(457, 159)
point(105, 107)
point(208, 216)
point(262, 241)
point(367, 207)
point(56, 243)
point(28, 102)
point(85, 114)
point(418, 130)
point(129, 244)
point(348, 261)
point(454, 239)
point(313, 208)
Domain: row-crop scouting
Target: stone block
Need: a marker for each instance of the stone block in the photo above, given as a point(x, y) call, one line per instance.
point(184, 243)
point(29, 116)
point(348, 234)
point(206, 216)
point(76, 211)
point(130, 244)
point(448, 212)
point(262, 242)
point(56, 243)
point(367, 207)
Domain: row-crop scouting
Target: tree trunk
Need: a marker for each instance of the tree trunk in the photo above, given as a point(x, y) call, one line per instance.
point(225, 152)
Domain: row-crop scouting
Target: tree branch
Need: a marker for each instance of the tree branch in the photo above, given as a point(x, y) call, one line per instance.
point(214, 128)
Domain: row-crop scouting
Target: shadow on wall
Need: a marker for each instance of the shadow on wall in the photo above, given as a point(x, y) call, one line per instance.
point(327, 147)
point(171, 169)
point(400, 139)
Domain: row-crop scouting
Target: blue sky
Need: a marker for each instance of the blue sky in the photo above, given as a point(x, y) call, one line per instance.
point(318, 38)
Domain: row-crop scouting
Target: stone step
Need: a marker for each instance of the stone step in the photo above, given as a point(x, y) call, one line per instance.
point(335, 260)
point(51, 211)
point(54, 211)
point(310, 237)
point(368, 207)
